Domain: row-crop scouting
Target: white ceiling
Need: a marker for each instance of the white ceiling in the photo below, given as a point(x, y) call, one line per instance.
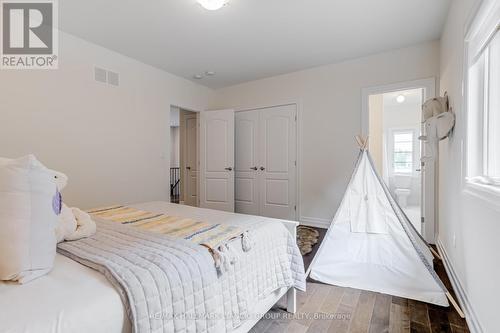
point(412, 97)
point(251, 39)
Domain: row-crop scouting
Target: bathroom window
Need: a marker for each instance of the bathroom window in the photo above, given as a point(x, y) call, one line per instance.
point(483, 98)
point(402, 159)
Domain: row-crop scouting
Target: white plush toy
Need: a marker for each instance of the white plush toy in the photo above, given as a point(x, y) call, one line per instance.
point(434, 107)
point(439, 121)
point(73, 223)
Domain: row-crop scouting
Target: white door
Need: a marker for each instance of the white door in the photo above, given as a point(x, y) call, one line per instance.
point(246, 198)
point(278, 137)
point(217, 160)
point(191, 158)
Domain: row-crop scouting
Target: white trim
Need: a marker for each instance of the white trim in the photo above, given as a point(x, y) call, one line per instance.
point(482, 26)
point(430, 201)
point(298, 154)
point(430, 90)
point(315, 222)
point(483, 23)
point(488, 194)
point(470, 315)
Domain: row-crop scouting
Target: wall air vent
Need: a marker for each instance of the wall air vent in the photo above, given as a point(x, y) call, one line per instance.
point(113, 79)
point(100, 75)
point(105, 76)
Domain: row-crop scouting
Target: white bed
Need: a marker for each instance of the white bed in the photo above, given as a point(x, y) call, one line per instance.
point(74, 298)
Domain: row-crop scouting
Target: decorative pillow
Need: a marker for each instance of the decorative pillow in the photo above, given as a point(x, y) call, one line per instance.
point(29, 205)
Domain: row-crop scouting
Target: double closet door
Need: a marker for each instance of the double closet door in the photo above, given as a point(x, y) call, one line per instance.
point(265, 162)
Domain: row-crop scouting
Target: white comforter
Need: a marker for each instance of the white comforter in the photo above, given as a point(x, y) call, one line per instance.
point(73, 298)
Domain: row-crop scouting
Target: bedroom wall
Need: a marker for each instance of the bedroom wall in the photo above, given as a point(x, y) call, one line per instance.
point(376, 129)
point(468, 225)
point(329, 100)
point(113, 142)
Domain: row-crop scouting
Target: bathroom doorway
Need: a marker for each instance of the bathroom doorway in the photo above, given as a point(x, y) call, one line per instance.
point(393, 121)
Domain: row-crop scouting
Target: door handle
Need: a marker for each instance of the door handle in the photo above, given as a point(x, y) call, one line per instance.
point(229, 169)
point(188, 168)
point(253, 168)
point(262, 168)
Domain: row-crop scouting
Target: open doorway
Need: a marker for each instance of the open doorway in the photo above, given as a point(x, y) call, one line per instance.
point(392, 118)
point(394, 130)
point(175, 174)
point(183, 156)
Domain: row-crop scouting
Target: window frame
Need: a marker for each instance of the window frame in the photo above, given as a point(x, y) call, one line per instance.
point(415, 148)
point(395, 132)
point(482, 29)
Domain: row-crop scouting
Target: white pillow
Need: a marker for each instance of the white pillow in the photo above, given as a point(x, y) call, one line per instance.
point(29, 204)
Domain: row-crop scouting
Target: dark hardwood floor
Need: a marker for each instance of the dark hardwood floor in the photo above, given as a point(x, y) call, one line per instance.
point(342, 310)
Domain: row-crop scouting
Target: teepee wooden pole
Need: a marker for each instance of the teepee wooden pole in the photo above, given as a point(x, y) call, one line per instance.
point(365, 146)
point(455, 305)
point(359, 140)
point(434, 252)
point(362, 142)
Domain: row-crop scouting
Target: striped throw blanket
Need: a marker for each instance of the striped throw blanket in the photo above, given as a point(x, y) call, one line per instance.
point(213, 236)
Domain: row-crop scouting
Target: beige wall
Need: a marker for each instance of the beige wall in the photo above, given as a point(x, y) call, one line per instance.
point(329, 100)
point(113, 142)
point(469, 227)
point(376, 129)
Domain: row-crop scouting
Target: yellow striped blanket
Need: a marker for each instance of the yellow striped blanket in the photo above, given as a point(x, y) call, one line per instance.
point(212, 236)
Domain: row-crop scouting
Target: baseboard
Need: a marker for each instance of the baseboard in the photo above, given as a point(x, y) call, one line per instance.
point(315, 222)
point(470, 315)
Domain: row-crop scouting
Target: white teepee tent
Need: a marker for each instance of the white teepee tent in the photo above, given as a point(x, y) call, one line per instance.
point(371, 244)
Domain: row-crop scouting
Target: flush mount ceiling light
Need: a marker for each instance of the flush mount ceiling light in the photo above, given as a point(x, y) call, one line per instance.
point(400, 99)
point(212, 4)
point(206, 74)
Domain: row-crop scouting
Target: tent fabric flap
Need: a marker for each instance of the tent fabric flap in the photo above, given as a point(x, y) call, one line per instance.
point(366, 208)
point(371, 244)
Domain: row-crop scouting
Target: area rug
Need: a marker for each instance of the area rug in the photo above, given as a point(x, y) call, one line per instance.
point(306, 239)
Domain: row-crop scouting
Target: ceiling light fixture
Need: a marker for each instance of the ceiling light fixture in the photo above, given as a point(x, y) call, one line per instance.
point(209, 73)
point(212, 4)
point(400, 99)
point(198, 76)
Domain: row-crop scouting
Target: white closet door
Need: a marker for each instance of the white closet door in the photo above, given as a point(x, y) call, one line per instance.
point(217, 160)
point(191, 172)
point(278, 144)
point(246, 198)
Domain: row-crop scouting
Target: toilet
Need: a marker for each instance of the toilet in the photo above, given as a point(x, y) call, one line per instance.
point(402, 195)
point(402, 191)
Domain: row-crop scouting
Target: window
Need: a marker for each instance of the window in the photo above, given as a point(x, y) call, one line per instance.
point(483, 97)
point(402, 159)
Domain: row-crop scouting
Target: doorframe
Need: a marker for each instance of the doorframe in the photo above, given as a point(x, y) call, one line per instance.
point(182, 108)
point(298, 145)
point(185, 185)
point(429, 85)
